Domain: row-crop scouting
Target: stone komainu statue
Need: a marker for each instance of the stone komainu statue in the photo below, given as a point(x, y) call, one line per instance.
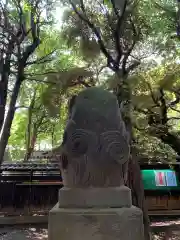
point(95, 149)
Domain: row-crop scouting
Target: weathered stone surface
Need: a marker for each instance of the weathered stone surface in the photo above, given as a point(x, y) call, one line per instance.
point(95, 224)
point(95, 204)
point(95, 146)
point(95, 197)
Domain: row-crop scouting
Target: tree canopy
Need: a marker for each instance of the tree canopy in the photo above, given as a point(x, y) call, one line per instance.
point(130, 47)
point(133, 44)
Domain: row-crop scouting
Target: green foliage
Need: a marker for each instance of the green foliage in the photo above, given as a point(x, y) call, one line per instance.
point(76, 62)
point(153, 149)
point(146, 85)
point(17, 137)
point(40, 121)
point(52, 98)
point(100, 15)
point(89, 48)
point(156, 102)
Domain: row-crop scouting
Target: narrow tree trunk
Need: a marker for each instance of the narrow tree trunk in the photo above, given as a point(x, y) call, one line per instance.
point(28, 133)
point(30, 149)
point(34, 136)
point(9, 118)
point(29, 127)
point(52, 135)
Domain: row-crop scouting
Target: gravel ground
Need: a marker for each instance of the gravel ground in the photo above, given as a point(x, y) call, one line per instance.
point(166, 229)
point(24, 233)
point(175, 235)
point(41, 232)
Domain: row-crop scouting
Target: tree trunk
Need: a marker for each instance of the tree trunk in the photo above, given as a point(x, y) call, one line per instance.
point(35, 132)
point(52, 135)
point(28, 134)
point(3, 98)
point(135, 182)
point(29, 127)
point(9, 118)
point(5, 72)
point(32, 143)
point(30, 149)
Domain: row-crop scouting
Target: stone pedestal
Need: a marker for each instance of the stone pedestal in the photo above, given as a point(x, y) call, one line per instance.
point(95, 214)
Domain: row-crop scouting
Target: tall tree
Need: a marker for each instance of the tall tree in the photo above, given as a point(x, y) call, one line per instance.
point(158, 103)
point(117, 28)
point(21, 23)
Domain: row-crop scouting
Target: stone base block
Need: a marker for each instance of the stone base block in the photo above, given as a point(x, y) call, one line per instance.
point(95, 197)
point(95, 224)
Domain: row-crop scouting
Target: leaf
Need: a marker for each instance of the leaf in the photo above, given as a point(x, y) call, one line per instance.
point(67, 14)
point(68, 77)
point(70, 34)
point(113, 81)
point(108, 3)
point(168, 81)
point(142, 101)
point(52, 96)
point(141, 122)
point(89, 48)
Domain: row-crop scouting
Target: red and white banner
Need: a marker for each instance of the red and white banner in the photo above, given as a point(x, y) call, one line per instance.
point(160, 178)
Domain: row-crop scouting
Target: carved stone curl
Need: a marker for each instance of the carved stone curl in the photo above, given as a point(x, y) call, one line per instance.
point(95, 149)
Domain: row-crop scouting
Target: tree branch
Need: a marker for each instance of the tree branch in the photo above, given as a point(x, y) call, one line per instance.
point(163, 107)
point(116, 32)
point(17, 107)
point(80, 80)
point(152, 94)
point(134, 65)
point(176, 110)
point(173, 118)
point(173, 103)
point(40, 81)
point(41, 74)
point(35, 34)
point(42, 59)
point(128, 52)
point(145, 112)
point(110, 60)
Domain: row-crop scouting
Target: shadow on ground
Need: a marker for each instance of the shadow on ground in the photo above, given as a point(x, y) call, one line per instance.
point(34, 232)
point(21, 233)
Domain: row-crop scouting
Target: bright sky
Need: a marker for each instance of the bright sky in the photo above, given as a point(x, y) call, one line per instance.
point(59, 14)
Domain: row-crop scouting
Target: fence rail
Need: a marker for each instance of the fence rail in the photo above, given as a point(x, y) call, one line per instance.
point(35, 186)
point(29, 186)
